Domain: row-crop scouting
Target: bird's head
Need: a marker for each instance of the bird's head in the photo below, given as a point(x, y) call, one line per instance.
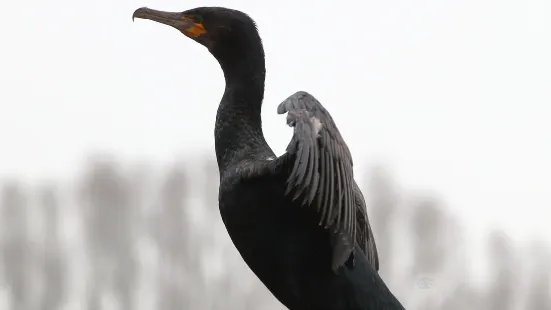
point(225, 32)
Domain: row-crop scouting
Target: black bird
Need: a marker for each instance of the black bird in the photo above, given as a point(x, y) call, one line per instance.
point(298, 220)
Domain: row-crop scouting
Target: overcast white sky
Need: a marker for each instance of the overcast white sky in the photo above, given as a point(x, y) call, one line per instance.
point(453, 95)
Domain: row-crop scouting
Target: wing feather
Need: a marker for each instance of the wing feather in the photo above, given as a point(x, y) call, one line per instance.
point(322, 176)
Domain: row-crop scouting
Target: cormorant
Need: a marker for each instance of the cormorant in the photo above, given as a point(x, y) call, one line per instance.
point(298, 220)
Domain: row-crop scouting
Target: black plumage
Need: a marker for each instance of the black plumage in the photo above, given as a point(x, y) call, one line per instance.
point(298, 220)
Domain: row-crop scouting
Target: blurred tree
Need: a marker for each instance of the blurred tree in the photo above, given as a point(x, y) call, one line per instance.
point(382, 201)
point(53, 257)
point(431, 249)
point(504, 286)
point(180, 277)
point(539, 288)
point(109, 224)
point(428, 231)
point(15, 245)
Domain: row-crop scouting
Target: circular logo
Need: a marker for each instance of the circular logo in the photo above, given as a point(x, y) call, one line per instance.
point(425, 283)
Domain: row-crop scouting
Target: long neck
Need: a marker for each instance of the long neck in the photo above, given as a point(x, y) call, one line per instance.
point(238, 130)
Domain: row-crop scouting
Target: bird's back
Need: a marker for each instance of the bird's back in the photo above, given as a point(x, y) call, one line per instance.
point(291, 254)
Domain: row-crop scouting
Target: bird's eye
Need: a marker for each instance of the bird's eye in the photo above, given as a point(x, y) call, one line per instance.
point(198, 18)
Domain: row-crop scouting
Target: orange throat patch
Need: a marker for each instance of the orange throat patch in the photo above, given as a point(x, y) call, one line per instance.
point(195, 30)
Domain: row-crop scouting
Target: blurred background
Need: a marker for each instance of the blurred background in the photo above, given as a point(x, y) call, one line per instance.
point(108, 181)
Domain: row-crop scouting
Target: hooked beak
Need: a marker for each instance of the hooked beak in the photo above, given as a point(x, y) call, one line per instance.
point(184, 23)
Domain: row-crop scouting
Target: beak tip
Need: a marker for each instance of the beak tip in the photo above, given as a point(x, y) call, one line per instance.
point(137, 12)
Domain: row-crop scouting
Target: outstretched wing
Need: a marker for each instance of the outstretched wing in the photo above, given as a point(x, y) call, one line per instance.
point(322, 177)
